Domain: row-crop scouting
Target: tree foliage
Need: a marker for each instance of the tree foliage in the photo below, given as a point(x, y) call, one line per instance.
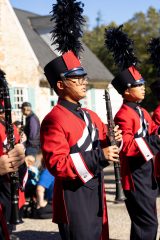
point(141, 28)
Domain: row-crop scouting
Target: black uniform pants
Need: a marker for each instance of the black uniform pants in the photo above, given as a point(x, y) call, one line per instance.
point(2, 236)
point(141, 204)
point(84, 211)
point(64, 231)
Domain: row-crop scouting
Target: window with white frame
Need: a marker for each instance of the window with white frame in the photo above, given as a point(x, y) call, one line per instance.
point(19, 96)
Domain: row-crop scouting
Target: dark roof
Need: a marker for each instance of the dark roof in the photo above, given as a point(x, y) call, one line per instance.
point(35, 25)
point(40, 48)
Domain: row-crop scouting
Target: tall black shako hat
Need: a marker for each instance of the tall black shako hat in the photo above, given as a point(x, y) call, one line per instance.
point(154, 51)
point(67, 30)
point(121, 48)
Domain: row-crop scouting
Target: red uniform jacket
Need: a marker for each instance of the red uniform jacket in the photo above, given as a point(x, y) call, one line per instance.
point(129, 122)
point(156, 115)
point(3, 138)
point(67, 156)
point(156, 119)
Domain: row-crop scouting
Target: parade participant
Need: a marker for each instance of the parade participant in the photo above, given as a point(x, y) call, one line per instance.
point(4, 183)
point(31, 130)
point(154, 51)
point(155, 87)
point(141, 140)
point(73, 139)
point(10, 161)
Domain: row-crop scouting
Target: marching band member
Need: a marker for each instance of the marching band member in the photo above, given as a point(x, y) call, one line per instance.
point(141, 140)
point(73, 139)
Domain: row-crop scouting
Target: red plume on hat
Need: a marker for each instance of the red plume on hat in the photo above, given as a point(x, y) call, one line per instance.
point(121, 47)
point(67, 30)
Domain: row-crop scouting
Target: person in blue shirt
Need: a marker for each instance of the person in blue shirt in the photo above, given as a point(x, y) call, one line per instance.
point(44, 192)
point(44, 189)
point(33, 177)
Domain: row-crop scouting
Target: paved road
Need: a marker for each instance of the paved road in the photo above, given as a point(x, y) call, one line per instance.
point(119, 223)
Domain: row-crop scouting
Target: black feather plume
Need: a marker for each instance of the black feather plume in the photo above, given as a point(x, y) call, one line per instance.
point(154, 50)
point(121, 47)
point(2, 74)
point(67, 25)
point(3, 82)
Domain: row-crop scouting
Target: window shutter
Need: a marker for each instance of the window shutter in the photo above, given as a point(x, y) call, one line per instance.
point(32, 97)
point(11, 93)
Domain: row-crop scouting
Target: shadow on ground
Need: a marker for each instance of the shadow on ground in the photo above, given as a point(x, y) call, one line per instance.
point(109, 181)
point(37, 235)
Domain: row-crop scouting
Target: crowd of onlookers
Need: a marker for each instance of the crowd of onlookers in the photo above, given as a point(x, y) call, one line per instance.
point(39, 186)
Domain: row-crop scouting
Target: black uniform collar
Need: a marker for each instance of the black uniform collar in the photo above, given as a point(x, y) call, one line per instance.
point(133, 105)
point(69, 105)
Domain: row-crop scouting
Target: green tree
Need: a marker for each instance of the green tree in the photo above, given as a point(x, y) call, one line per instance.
point(141, 28)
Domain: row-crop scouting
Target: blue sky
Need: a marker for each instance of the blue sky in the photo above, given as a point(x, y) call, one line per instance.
point(110, 10)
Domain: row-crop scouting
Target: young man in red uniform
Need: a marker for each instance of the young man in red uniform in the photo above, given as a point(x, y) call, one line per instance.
point(73, 139)
point(75, 150)
point(8, 163)
point(141, 141)
point(155, 87)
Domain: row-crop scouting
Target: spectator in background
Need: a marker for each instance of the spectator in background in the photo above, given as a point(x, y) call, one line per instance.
point(44, 188)
point(18, 125)
point(39, 189)
point(33, 177)
point(44, 192)
point(31, 129)
point(23, 137)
